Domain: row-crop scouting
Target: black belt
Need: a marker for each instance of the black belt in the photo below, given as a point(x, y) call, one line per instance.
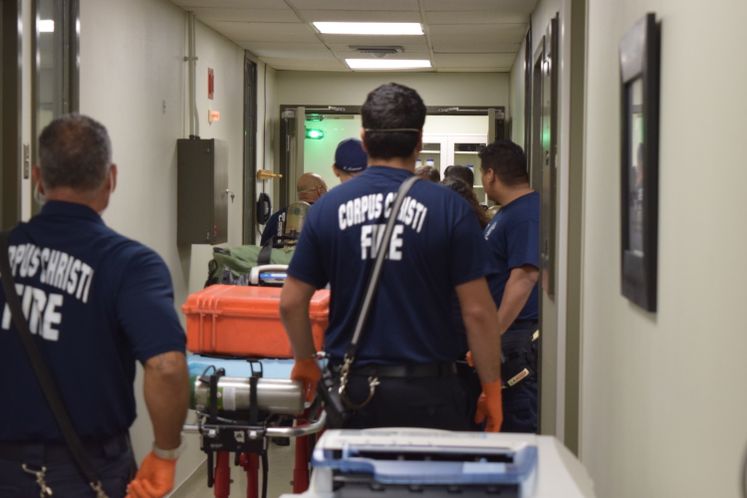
point(19, 451)
point(444, 369)
point(520, 324)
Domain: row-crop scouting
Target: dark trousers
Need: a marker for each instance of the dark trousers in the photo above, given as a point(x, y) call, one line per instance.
point(520, 404)
point(428, 402)
point(113, 460)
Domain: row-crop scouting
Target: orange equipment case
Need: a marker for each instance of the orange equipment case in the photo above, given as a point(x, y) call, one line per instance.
point(245, 321)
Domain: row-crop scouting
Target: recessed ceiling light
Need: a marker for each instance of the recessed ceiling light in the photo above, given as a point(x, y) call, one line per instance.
point(45, 25)
point(369, 28)
point(388, 63)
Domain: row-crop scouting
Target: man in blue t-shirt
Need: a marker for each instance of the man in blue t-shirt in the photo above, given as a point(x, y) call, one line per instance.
point(408, 343)
point(96, 302)
point(513, 238)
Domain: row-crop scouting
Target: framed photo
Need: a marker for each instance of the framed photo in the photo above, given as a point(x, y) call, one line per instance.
point(639, 161)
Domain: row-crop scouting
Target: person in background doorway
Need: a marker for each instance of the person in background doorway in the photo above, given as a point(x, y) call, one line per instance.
point(310, 187)
point(461, 172)
point(101, 302)
point(513, 238)
point(350, 159)
point(429, 173)
point(408, 342)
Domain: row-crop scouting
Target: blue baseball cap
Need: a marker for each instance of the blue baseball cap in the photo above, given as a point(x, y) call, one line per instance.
point(350, 156)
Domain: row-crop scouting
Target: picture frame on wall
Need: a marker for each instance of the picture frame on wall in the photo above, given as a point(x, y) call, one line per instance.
point(639, 161)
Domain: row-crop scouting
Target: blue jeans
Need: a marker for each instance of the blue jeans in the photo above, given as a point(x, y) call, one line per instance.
point(113, 461)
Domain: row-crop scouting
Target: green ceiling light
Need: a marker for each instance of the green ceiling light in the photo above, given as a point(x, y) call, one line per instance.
point(314, 134)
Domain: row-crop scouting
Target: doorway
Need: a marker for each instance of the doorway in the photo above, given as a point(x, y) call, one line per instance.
point(310, 134)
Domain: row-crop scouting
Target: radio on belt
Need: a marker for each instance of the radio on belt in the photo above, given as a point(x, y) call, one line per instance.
point(422, 462)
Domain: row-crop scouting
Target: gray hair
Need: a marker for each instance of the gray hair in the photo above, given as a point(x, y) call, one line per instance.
point(75, 152)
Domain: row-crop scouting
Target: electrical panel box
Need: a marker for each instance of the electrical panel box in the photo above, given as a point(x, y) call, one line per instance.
point(202, 192)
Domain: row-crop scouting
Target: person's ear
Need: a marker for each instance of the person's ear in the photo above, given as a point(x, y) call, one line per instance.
point(363, 136)
point(336, 171)
point(36, 178)
point(112, 178)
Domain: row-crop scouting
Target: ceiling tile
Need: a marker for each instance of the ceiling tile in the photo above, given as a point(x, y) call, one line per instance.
point(345, 40)
point(304, 5)
point(245, 15)
point(409, 53)
point(305, 64)
point(474, 17)
point(265, 32)
point(239, 4)
point(507, 6)
point(467, 61)
point(478, 38)
point(360, 16)
point(287, 50)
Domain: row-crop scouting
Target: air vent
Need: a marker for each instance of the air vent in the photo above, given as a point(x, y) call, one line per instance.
point(378, 50)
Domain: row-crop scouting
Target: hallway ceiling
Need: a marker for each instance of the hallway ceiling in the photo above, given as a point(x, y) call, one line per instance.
point(460, 35)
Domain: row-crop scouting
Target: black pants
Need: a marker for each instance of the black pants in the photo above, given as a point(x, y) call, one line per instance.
point(112, 459)
point(429, 402)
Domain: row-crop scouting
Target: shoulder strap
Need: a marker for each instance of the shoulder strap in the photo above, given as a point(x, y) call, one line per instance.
point(376, 272)
point(43, 375)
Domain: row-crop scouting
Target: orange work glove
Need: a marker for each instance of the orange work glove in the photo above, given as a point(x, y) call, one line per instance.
point(154, 479)
point(307, 371)
point(490, 406)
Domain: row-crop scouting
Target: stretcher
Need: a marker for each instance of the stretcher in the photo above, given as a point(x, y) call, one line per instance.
point(429, 463)
point(237, 411)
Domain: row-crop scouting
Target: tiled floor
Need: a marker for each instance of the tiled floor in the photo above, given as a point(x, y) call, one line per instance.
point(281, 473)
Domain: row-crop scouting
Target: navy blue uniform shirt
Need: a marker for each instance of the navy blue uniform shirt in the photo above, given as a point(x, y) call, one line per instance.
point(271, 227)
point(436, 245)
point(513, 239)
point(97, 302)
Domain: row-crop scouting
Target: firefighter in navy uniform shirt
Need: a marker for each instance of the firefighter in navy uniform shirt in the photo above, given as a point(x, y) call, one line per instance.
point(437, 247)
point(513, 238)
point(96, 302)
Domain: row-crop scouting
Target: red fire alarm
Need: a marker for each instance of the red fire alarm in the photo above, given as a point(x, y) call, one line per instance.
point(211, 83)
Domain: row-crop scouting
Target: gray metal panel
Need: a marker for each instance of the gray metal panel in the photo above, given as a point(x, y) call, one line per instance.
point(220, 193)
point(202, 210)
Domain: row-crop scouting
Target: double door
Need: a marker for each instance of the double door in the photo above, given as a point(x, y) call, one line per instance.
point(442, 151)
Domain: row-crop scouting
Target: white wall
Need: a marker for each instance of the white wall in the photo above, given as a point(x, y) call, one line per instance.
point(664, 407)
point(133, 79)
point(517, 92)
point(447, 89)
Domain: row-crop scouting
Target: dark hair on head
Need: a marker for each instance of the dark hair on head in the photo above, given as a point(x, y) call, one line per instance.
point(468, 193)
point(389, 107)
point(75, 152)
point(461, 172)
point(507, 160)
point(428, 173)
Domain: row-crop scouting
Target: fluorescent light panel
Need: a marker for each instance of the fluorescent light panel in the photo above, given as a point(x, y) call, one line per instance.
point(369, 28)
point(45, 25)
point(388, 63)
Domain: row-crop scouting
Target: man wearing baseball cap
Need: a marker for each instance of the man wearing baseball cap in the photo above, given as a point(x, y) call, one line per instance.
point(350, 159)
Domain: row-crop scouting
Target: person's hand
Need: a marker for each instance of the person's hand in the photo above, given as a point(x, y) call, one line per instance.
point(307, 371)
point(490, 407)
point(154, 479)
point(468, 358)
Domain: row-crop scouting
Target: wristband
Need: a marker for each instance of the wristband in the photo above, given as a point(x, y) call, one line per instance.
point(172, 454)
